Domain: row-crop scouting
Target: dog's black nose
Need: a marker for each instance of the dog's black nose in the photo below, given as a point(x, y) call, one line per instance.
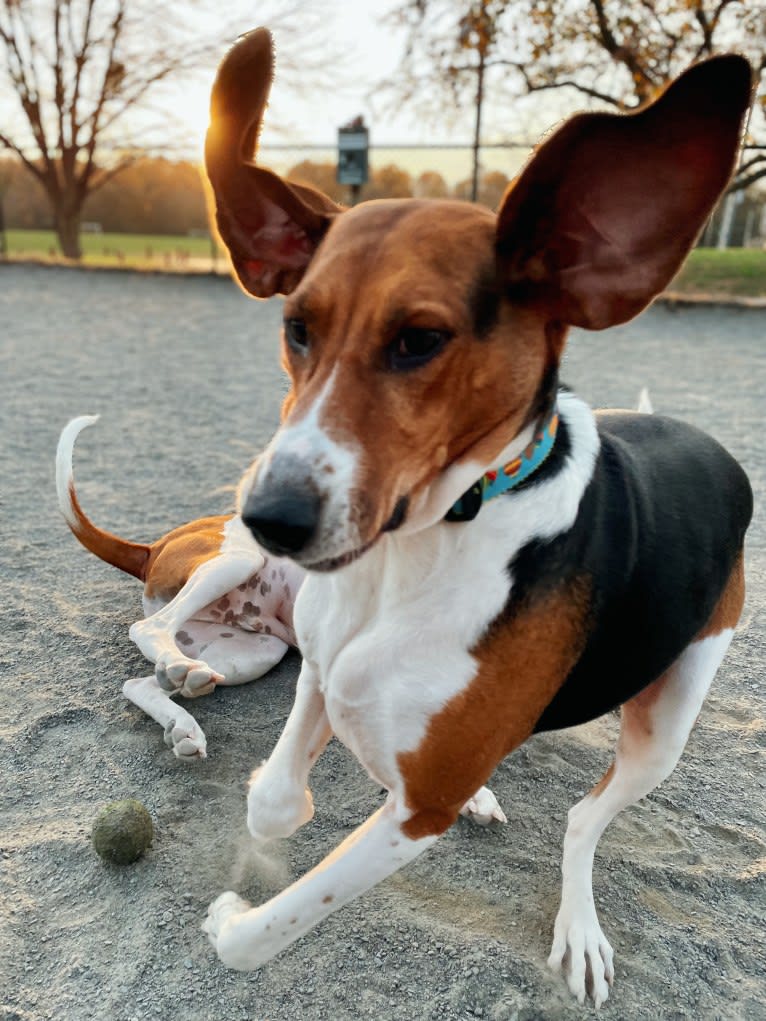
point(283, 521)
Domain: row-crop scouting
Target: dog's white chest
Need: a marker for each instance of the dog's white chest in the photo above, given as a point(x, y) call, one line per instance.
point(390, 638)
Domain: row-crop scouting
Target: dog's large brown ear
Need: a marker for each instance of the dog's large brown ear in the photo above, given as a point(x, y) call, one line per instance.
point(270, 227)
point(603, 215)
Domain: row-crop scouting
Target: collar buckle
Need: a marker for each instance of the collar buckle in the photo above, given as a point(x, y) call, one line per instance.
point(469, 504)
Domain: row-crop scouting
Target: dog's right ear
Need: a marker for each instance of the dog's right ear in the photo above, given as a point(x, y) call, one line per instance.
point(270, 227)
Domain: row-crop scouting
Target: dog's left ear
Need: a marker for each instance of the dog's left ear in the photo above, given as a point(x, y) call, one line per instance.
point(270, 227)
point(602, 217)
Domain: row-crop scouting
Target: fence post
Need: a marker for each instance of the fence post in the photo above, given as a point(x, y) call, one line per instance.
point(353, 147)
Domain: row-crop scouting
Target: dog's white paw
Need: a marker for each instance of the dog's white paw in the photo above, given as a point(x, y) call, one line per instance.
point(179, 675)
point(186, 740)
point(483, 808)
point(582, 954)
point(221, 915)
point(276, 809)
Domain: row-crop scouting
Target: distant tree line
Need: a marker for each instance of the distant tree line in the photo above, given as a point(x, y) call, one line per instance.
point(153, 196)
point(74, 72)
point(392, 182)
point(160, 196)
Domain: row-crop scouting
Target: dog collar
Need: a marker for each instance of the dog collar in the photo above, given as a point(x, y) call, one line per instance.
point(511, 475)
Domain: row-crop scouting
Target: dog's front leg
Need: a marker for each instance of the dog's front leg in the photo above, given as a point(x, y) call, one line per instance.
point(279, 801)
point(246, 937)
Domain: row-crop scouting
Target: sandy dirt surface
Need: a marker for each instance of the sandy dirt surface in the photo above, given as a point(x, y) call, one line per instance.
point(185, 375)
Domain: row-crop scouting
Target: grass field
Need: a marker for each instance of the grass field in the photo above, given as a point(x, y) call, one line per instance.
point(740, 272)
point(143, 251)
point(734, 271)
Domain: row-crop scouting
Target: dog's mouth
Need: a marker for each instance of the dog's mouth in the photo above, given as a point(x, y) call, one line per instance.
point(344, 559)
point(335, 563)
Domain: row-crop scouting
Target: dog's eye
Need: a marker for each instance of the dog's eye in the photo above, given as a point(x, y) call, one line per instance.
point(414, 346)
point(297, 335)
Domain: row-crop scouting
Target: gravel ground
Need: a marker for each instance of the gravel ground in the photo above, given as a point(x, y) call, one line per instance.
point(185, 374)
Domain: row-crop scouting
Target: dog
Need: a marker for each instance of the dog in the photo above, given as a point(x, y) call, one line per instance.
point(485, 558)
point(209, 591)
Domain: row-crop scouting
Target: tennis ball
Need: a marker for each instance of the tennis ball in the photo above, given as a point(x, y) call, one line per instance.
point(122, 831)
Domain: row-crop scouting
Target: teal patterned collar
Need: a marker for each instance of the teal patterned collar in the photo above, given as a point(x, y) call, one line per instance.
point(501, 480)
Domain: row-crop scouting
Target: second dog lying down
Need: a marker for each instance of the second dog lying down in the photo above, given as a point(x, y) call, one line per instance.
point(219, 611)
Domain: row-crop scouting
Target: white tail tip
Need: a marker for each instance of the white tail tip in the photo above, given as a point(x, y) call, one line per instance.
point(64, 473)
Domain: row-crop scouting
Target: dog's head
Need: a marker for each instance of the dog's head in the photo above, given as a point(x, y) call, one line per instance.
point(421, 337)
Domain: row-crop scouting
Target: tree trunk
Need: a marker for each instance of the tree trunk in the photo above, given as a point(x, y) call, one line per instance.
point(68, 232)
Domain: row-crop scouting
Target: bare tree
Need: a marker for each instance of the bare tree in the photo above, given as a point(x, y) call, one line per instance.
point(618, 53)
point(448, 52)
point(623, 52)
point(83, 73)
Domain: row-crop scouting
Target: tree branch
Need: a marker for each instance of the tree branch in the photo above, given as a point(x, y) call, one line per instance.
point(107, 83)
point(643, 81)
point(21, 75)
point(80, 60)
point(6, 143)
point(58, 79)
point(745, 182)
point(107, 175)
point(708, 25)
point(744, 167)
point(560, 83)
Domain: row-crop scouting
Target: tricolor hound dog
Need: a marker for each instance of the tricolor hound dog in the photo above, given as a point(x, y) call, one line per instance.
point(219, 611)
point(485, 558)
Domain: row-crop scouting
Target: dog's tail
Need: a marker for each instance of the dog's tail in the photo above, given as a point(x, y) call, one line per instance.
point(130, 557)
point(645, 402)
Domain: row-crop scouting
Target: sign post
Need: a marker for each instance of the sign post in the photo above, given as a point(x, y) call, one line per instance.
point(353, 147)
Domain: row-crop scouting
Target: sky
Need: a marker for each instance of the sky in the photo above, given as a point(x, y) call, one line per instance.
point(371, 51)
point(310, 31)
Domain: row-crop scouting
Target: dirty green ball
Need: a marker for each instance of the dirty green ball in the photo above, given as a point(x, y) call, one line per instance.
point(122, 832)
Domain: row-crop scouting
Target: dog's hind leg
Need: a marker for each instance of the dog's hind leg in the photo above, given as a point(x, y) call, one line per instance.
point(236, 655)
point(156, 635)
point(183, 735)
point(654, 730)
